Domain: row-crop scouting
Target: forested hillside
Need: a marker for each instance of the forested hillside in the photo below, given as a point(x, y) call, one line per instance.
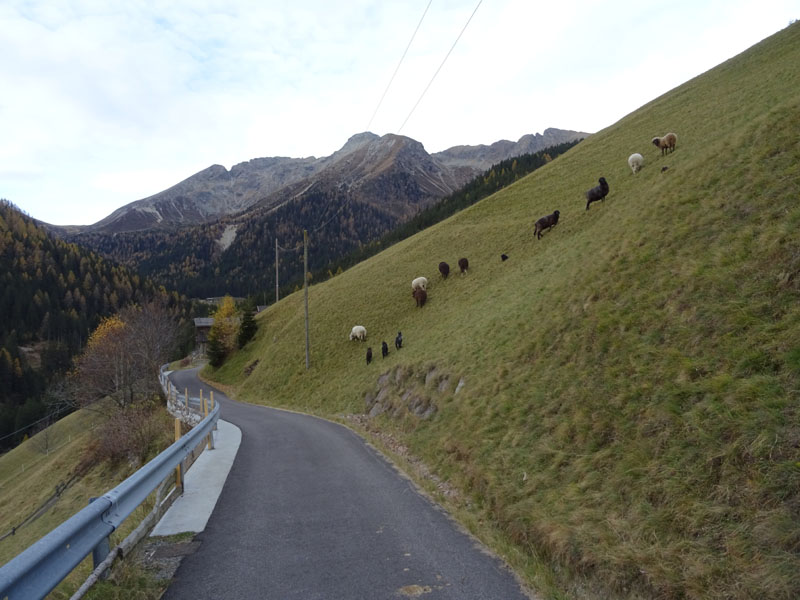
point(342, 231)
point(496, 178)
point(52, 294)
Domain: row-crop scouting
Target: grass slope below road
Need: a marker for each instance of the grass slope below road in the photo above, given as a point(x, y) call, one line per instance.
point(48, 479)
point(629, 408)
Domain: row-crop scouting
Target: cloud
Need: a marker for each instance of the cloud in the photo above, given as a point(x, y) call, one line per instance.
point(107, 102)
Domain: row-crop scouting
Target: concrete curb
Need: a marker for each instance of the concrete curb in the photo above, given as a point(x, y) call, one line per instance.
point(203, 485)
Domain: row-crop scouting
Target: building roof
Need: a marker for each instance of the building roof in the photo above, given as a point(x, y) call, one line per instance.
point(203, 321)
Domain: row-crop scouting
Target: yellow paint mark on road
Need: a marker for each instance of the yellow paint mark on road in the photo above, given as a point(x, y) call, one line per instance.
point(414, 591)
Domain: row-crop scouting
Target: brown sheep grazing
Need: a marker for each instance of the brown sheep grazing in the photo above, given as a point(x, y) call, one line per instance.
point(545, 223)
point(598, 192)
point(667, 142)
point(463, 264)
point(444, 269)
point(420, 296)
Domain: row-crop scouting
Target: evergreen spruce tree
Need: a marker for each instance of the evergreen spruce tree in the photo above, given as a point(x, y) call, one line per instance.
point(248, 327)
point(216, 349)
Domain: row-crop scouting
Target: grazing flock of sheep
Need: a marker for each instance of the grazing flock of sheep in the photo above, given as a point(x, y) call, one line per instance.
point(666, 144)
point(419, 291)
point(419, 286)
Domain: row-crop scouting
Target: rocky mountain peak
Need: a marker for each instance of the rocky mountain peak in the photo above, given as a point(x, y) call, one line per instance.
point(357, 141)
point(382, 166)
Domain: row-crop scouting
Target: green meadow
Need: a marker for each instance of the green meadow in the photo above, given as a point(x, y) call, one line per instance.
point(627, 420)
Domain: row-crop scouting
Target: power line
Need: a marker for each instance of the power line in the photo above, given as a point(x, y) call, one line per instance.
point(402, 58)
point(321, 225)
point(440, 67)
point(29, 425)
point(398, 65)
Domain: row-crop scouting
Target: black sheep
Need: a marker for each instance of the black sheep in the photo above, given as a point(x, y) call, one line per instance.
point(545, 222)
point(504, 257)
point(444, 269)
point(369, 355)
point(398, 341)
point(463, 264)
point(598, 192)
point(420, 296)
point(385, 349)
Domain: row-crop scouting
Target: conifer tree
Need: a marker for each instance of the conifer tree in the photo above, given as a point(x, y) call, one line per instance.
point(216, 349)
point(248, 326)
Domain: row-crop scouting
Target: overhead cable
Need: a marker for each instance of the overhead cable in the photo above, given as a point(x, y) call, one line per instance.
point(440, 67)
point(398, 66)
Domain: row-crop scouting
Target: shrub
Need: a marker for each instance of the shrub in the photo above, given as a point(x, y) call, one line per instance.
point(133, 434)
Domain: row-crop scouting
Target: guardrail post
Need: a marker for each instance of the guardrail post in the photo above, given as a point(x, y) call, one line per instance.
point(179, 467)
point(100, 552)
point(212, 407)
point(210, 438)
point(186, 396)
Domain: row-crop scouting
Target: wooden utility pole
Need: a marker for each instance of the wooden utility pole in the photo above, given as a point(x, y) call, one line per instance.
point(305, 285)
point(276, 271)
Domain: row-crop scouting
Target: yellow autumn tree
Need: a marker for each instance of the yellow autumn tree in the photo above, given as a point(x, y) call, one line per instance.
point(104, 368)
point(222, 336)
point(123, 355)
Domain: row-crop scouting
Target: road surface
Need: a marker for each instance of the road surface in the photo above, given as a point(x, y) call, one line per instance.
point(309, 511)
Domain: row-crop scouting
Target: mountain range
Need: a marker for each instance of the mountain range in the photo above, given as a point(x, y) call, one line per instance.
point(392, 173)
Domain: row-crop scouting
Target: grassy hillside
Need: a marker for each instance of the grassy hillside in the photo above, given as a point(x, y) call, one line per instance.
point(47, 479)
point(629, 408)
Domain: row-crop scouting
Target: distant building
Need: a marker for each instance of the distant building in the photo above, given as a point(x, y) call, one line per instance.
point(217, 300)
point(260, 307)
point(202, 327)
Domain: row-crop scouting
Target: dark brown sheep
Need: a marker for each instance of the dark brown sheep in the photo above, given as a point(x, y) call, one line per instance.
point(384, 349)
point(369, 355)
point(598, 192)
point(463, 264)
point(420, 296)
point(545, 222)
point(444, 269)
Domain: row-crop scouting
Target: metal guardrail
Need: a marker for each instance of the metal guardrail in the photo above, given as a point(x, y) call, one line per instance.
point(175, 399)
point(40, 568)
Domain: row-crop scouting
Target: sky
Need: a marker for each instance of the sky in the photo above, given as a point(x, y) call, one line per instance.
point(105, 102)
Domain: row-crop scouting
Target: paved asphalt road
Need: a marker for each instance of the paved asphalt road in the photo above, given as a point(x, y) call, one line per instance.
point(310, 512)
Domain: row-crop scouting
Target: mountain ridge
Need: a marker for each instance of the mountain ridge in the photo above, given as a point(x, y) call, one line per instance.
point(391, 167)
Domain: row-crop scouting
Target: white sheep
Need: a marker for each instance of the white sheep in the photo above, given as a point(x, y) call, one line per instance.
point(420, 283)
point(635, 162)
point(358, 332)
